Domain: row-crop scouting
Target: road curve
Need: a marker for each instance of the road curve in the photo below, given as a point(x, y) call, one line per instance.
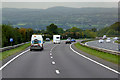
point(111, 46)
point(55, 61)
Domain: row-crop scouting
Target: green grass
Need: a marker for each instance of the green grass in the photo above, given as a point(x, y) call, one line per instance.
point(106, 56)
point(5, 54)
point(117, 41)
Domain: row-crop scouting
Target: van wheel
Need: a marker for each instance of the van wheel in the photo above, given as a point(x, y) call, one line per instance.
point(42, 48)
point(30, 49)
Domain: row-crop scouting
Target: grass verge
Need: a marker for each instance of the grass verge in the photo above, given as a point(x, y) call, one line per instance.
point(5, 54)
point(106, 56)
point(117, 41)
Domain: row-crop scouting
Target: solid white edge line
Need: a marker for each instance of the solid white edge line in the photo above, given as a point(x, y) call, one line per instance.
point(94, 61)
point(13, 59)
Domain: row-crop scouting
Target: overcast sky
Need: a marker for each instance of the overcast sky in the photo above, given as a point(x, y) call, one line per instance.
point(60, 0)
point(44, 5)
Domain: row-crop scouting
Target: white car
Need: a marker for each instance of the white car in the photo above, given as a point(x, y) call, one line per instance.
point(108, 40)
point(101, 41)
point(116, 38)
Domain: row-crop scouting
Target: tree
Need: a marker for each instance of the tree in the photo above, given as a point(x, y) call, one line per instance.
point(52, 29)
point(78, 35)
point(74, 32)
point(89, 34)
point(94, 29)
point(29, 33)
point(23, 33)
point(60, 31)
point(74, 29)
point(113, 30)
point(9, 32)
point(19, 35)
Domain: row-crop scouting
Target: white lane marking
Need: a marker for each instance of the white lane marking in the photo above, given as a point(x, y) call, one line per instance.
point(94, 61)
point(13, 59)
point(53, 62)
point(57, 71)
point(50, 54)
point(51, 57)
point(53, 48)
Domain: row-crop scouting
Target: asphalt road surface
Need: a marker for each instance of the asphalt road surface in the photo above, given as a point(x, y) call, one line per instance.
point(105, 45)
point(55, 61)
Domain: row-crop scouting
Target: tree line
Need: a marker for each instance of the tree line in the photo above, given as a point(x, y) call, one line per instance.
point(113, 30)
point(24, 34)
point(19, 35)
point(73, 32)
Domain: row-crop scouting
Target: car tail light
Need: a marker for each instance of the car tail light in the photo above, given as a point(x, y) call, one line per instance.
point(38, 44)
point(31, 44)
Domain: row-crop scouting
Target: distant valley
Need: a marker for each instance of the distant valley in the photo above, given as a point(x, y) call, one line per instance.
point(64, 17)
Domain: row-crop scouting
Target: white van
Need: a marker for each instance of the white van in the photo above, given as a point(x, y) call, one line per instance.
point(104, 36)
point(36, 42)
point(56, 39)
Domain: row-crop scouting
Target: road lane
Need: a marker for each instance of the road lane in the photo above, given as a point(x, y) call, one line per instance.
point(33, 64)
point(72, 65)
point(55, 61)
point(110, 46)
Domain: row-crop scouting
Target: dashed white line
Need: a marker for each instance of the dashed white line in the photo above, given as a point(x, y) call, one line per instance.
point(57, 71)
point(53, 48)
point(50, 54)
point(53, 62)
point(13, 59)
point(94, 61)
point(51, 57)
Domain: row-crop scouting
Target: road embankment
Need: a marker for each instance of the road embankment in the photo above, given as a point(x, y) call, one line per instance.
point(6, 54)
point(103, 55)
point(111, 47)
point(11, 47)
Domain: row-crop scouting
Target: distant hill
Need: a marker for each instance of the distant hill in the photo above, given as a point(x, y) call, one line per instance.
point(113, 30)
point(65, 17)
